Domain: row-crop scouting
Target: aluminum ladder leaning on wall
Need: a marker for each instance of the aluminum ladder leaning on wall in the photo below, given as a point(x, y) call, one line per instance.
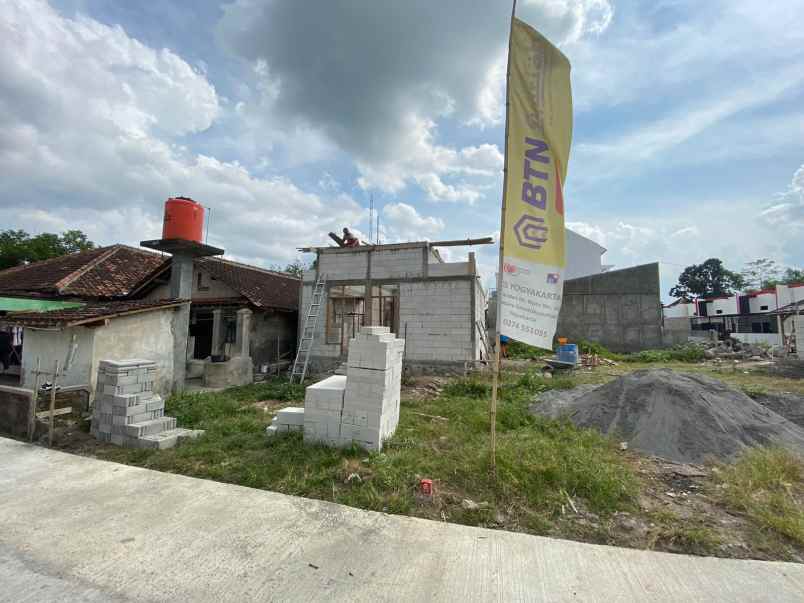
point(299, 368)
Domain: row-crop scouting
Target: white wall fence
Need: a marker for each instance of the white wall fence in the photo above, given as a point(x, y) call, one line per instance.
point(774, 339)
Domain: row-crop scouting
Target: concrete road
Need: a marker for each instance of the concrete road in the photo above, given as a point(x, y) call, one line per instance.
point(79, 529)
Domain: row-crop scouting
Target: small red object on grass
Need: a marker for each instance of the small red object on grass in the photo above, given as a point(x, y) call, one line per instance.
point(426, 486)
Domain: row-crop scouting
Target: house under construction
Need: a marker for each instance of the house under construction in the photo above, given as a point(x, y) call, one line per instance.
point(438, 307)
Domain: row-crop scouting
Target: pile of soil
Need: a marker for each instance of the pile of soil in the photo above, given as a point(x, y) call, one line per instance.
point(787, 404)
point(683, 417)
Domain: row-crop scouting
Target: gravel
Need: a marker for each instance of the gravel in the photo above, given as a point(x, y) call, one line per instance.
point(683, 417)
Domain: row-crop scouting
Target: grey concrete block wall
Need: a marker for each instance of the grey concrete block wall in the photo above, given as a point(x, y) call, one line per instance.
point(435, 317)
point(620, 309)
point(437, 309)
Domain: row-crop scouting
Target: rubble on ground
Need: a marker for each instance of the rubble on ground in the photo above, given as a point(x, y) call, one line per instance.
point(732, 349)
point(686, 418)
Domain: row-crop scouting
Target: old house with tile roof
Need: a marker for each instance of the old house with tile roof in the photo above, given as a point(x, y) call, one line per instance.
point(123, 293)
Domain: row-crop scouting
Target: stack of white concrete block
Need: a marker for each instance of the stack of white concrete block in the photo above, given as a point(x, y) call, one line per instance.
point(128, 413)
point(360, 408)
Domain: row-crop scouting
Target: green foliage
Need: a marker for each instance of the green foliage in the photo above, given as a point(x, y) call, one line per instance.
point(17, 247)
point(295, 268)
point(522, 351)
point(790, 276)
point(766, 485)
point(470, 388)
point(709, 279)
point(681, 353)
point(759, 273)
point(593, 347)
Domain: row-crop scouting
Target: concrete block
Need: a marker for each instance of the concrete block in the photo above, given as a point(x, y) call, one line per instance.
point(330, 389)
point(292, 415)
point(158, 441)
point(112, 366)
point(150, 427)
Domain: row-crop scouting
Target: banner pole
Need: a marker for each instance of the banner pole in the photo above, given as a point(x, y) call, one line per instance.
point(497, 355)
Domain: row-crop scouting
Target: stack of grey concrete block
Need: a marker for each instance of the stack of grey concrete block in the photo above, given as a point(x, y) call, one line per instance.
point(360, 408)
point(128, 413)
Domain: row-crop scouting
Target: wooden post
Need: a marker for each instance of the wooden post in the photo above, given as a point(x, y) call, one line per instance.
point(53, 403)
point(497, 359)
point(34, 402)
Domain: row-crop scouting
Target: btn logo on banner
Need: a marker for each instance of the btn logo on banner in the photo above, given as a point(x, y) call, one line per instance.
point(537, 151)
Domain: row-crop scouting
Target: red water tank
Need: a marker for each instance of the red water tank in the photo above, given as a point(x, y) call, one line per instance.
point(184, 219)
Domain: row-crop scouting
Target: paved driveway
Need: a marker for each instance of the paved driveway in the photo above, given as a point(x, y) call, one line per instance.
point(79, 529)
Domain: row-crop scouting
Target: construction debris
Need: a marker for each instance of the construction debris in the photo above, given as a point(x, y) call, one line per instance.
point(732, 349)
point(678, 416)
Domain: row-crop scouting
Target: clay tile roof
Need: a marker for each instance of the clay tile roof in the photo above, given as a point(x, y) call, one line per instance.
point(87, 313)
point(106, 272)
point(262, 288)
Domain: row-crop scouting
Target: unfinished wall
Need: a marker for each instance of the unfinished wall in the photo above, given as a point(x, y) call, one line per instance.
point(676, 330)
point(15, 405)
point(800, 337)
point(435, 318)
point(271, 329)
point(620, 309)
point(72, 347)
point(147, 335)
point(481, 304)
point(210, 288)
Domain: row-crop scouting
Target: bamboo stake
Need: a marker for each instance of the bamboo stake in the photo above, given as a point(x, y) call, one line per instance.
point(497, 359)
point(34, 402)
point(53, 403)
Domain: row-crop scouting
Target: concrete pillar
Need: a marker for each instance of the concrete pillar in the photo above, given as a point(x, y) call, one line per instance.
point(243, 332)
point(181, 287)
point(217, 326)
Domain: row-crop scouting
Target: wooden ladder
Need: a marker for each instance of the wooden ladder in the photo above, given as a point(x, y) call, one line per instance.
point(299, 368)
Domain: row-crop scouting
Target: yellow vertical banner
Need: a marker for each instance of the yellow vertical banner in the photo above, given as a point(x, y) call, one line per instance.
point(539, 134)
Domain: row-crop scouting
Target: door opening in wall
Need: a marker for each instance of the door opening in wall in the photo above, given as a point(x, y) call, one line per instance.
point(10, 355)
point(346, 313)
point(384, 304)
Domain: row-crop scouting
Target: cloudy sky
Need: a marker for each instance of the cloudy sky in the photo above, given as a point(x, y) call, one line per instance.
point(688, 140)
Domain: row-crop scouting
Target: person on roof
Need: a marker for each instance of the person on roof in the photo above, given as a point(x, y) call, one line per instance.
point(349, 240)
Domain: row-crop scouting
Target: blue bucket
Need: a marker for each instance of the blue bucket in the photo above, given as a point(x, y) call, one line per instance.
point(568, 352)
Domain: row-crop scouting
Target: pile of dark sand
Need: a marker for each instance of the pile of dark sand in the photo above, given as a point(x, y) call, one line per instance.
point(678, 416)
point(787, 404)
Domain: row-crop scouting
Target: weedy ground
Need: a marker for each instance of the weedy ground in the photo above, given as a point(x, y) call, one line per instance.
point(551, 477)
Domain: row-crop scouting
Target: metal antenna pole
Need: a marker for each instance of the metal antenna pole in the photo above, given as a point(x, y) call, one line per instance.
point(497, 357)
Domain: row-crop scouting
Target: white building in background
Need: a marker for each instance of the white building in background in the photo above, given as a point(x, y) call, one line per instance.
point(584, 256)
point(766, 316)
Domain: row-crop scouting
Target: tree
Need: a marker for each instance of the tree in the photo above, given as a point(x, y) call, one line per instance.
point(17, 247)
point(760, 274)
point(296, 268)
point(709, 279)
point(790, 276)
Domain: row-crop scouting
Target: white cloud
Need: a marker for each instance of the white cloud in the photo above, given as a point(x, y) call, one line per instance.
point(376, 80)
point(401, 222)
point(787, 211)
point(444, 173)
point(732, 233)
point(88, 126)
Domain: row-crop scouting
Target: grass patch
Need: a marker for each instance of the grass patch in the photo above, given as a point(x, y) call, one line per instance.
point(522, 351)
point(765, 484)
point(539, 461)
point(689, 536)
point(681, 353)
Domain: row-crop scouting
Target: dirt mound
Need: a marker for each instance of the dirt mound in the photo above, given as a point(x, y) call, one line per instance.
point(679, 416)
point(787, 404)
